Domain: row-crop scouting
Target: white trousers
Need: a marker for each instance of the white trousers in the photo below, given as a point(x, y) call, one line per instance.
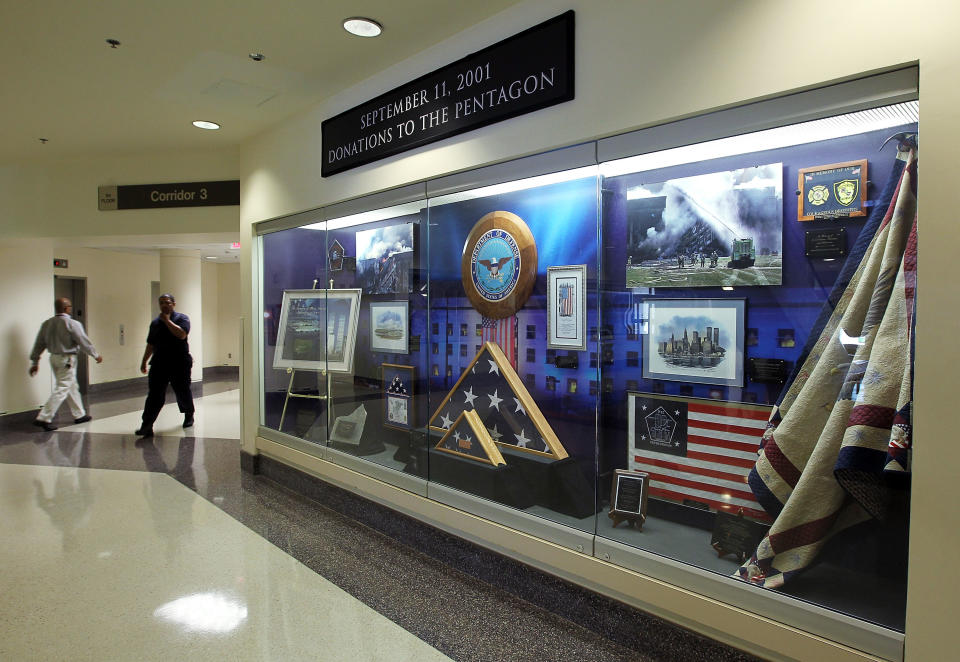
point(64, 368)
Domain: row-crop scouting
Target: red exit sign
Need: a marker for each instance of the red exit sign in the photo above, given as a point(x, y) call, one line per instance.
point(59, 263)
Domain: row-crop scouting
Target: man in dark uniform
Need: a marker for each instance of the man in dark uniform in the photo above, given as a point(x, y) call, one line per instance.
point(171, 363)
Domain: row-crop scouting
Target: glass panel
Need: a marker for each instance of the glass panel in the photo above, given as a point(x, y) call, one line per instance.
point(378, 410)
point(293, 342)
point(504, 425)
point(713, 292)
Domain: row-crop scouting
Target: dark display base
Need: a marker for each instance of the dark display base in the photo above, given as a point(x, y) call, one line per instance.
point(366, 447)
point(502, 484)
point(555, 484)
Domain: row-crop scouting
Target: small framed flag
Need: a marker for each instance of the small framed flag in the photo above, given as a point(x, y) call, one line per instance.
point(567, 307)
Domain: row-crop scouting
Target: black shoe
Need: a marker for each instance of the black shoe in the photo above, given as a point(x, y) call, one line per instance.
point(83, 419)
point(49, 427)
point(144, 431)
point(188, 421)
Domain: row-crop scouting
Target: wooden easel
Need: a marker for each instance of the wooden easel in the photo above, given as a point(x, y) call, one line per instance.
point(293, 372)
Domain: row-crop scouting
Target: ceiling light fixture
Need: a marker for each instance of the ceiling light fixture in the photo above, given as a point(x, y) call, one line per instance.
point(362, 27)
point(113, 43)
point(257, 57)
point(203, 124)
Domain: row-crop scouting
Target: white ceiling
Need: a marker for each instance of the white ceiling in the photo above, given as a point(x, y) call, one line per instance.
point(183, 60)
point(180, 61)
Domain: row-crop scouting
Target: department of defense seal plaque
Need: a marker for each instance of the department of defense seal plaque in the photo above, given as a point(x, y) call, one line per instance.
point(499, 264)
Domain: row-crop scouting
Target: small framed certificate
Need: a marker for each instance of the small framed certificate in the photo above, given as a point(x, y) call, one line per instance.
point(567, 307)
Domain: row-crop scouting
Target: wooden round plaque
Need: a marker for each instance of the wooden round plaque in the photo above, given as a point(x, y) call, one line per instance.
point(499, 264)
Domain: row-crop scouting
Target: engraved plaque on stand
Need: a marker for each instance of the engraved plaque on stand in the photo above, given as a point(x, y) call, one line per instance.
point(737, 535)
point(628, 498)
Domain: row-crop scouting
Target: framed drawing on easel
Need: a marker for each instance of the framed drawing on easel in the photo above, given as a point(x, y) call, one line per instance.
point(318, 330)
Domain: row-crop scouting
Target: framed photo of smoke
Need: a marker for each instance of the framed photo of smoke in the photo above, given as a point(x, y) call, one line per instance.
point(567, 307)
point(318, 330)
point(397, 383)
point(695, 340)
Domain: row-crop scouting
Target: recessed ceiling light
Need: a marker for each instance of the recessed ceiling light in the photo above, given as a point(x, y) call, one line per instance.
point(203, 124)
point(362, 27)
point(209, 257)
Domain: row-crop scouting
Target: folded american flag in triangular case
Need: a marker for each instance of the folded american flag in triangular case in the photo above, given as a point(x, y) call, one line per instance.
point(491, 387)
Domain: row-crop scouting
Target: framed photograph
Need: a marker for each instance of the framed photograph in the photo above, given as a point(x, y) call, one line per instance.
point(397, 384)
point(695, 340)
point(567, 307)
point(385, 259)
point(838, 190)
point(389, 327)
point(318, 330)
point(716, 229)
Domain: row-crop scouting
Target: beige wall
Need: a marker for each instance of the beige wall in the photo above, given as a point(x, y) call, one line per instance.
point(58, 200)
point(228, 314)
point(221, 330)
point(26, 299)
point(118, 292)
point(211, 295)
point(640, 64)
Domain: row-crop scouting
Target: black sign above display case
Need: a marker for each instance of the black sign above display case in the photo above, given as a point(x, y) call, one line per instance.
point(523, 73)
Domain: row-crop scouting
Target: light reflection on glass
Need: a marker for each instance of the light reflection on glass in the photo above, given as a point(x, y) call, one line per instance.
point(204, 612)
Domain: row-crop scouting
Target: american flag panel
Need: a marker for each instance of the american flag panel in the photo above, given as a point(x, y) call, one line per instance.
point(697, 450)
point(503, 332)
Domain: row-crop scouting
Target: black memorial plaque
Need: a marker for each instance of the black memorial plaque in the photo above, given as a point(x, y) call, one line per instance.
point(162, 196)
point(523, 73)
point(628, 498)
point(773, 371)
point(830, 243)
point(737, 535)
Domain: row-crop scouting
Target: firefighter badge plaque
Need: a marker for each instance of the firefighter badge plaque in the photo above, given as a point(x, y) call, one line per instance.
point(838, 190)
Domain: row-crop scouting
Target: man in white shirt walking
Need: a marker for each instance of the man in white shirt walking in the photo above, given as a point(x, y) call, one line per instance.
point(63, 337)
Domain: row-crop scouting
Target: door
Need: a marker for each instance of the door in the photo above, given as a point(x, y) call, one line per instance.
point(75, 289)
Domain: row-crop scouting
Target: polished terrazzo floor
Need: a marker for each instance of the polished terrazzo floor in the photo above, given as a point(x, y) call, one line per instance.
point(119, 548)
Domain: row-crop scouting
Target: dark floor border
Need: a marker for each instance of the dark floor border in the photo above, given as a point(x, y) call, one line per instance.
point(221, 372)
point(615, 621)
point(132, 384)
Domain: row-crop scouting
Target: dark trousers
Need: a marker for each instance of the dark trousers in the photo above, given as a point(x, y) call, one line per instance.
point(157, 379)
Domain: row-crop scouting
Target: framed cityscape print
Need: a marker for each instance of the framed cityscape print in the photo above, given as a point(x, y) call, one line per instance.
point(397, 384)
point(695, 340)
point(389, 327)
point(318, 330)
point(567, 307)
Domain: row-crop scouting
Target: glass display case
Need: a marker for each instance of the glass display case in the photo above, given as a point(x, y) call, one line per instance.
point(696, 359)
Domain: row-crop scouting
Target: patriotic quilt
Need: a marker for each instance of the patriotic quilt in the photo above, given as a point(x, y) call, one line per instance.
point(697, 451)
point(843, 425)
